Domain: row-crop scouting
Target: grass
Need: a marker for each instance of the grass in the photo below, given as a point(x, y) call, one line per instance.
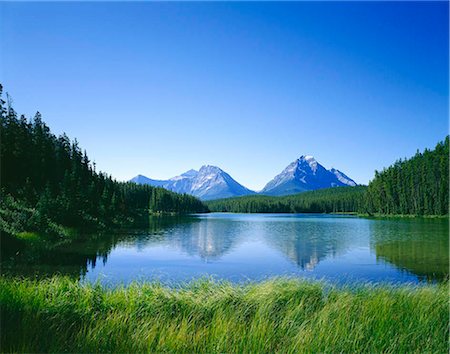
point(279, 315)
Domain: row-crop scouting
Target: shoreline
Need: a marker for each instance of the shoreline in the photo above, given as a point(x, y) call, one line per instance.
point(345, 213)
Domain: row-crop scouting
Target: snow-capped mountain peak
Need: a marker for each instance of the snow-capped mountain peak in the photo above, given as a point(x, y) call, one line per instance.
point(209, 182)
point(305, 174)
point(310, 160)
point(188, 174)
point(209, 169)
point(342, 177)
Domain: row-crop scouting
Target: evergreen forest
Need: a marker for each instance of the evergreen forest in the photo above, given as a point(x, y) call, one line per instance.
point(49, 184)
point(329, 200)
point(415, 186)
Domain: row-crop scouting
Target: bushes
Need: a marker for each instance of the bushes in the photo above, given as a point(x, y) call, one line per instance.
point(16, 218)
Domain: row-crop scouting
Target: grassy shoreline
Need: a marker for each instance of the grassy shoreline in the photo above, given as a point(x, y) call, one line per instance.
point(279, 315)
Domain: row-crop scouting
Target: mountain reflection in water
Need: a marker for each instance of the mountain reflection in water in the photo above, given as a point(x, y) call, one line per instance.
point(253, 246)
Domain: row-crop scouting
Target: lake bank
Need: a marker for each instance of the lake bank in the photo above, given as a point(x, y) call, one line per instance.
point(283, 315)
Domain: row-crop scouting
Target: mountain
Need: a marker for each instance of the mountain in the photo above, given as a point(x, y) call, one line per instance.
point(213, 183)
point(305, 174)
point(139, 179)
point(182, 183)
point(210, 182)
point(343, 178)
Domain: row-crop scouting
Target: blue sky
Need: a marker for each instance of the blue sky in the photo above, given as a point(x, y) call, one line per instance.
point(160, 88)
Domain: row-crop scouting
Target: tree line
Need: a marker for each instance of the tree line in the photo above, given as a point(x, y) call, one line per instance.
point(329, 200)
point(48, 180)
point(415, 186)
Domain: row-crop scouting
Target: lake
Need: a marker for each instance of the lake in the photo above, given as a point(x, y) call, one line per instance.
point(243, 247)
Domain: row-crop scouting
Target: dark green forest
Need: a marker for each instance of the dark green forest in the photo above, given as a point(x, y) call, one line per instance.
point(337, 200)
point(48, 182)
point(415, 186)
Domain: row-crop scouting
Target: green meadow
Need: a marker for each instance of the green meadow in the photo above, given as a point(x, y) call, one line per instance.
point(278, 315)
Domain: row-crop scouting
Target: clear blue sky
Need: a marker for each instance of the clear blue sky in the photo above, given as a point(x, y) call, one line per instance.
point(160, 88)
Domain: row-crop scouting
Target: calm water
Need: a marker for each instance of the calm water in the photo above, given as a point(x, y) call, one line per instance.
point(241, 247)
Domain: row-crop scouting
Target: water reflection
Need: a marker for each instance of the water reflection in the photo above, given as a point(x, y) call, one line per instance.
point(38, 259)
point(308, 240)
point(418, 246)
point(208, 239)
point(73, 258)
point(205, 238)
point(251, 245)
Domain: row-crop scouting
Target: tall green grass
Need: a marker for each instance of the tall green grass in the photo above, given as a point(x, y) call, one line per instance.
point(280, 315)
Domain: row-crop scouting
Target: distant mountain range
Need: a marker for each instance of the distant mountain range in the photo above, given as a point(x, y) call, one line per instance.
point(211, 182)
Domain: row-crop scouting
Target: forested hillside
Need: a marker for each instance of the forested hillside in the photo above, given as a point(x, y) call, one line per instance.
point(47, 181)
point(417, 186)
point(338, 199)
